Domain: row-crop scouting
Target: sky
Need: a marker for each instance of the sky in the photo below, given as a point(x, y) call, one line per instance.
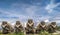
point(22, 10)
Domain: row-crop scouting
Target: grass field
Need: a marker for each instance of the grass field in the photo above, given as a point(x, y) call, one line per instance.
point(42, 33)
point(30, 34)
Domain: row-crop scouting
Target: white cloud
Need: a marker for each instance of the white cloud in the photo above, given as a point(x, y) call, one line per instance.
point(30, 10)
point(46, 20)
point(50, 7)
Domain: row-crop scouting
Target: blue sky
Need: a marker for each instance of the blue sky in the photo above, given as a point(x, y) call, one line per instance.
point(38, 10)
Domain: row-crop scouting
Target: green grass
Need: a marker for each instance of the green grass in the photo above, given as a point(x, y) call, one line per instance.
point(46, 33)
point(21, 33)
point(31, 34)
